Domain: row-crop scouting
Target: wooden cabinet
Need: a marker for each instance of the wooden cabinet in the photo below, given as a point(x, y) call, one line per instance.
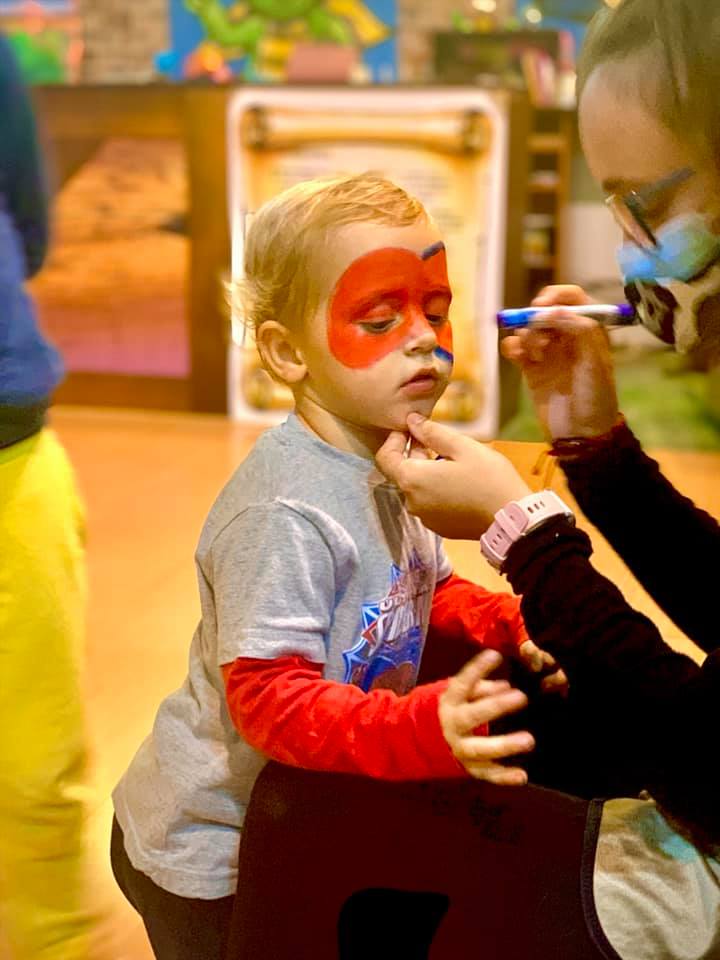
point(75, 122)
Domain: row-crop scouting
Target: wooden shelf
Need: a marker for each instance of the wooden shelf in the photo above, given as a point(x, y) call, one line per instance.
point(540, 262)
point(547, 143)
point(542, 187)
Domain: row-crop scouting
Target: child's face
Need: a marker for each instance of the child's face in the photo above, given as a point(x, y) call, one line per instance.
point(380, 344)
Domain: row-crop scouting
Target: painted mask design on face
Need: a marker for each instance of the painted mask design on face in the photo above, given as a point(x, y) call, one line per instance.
point(384, 299)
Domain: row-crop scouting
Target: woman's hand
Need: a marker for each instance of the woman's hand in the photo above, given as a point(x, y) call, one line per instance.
point(456, 496)
point(568, 368)
point(470, 701)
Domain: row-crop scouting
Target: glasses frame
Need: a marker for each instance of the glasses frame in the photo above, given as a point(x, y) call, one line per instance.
point(629, 208)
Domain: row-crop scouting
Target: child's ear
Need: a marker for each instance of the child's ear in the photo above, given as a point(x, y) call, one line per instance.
point(280, 356)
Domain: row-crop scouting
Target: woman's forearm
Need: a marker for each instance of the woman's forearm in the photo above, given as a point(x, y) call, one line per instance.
point(661, 706)
point(669, 544)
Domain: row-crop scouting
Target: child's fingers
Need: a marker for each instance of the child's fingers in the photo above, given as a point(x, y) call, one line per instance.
point(497, 706)
point(460, 687)
point(468, 716)
point(465, 716)
point(498, 774)
point(488, 749)
point(488, 688)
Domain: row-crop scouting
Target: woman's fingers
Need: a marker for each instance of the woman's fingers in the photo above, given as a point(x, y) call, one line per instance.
point(562, 294)
point(445, 441)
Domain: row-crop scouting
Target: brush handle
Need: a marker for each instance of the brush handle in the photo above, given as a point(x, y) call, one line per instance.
point(609, 314)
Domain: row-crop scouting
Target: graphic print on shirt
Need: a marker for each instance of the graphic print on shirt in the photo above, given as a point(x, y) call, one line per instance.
point(392, 635)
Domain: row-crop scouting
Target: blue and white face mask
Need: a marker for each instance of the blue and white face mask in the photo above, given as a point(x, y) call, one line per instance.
point(685, 248)
point(675, 285)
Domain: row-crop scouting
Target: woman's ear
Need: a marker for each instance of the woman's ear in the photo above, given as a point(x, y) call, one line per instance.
point(279, 355)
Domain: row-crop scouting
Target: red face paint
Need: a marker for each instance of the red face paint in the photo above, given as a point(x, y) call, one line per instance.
point(391, 286)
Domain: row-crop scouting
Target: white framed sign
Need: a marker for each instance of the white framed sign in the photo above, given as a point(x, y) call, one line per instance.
point(447, 146)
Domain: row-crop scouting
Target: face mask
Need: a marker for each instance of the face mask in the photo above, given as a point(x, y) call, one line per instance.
point(671, 284)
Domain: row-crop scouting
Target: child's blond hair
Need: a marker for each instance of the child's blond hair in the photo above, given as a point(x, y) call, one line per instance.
point(289, 233)
point(675, 45)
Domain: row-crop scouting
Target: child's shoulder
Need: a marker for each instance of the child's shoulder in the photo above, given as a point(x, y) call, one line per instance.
point(282, 466)
point(289, 473)
point(259, 478)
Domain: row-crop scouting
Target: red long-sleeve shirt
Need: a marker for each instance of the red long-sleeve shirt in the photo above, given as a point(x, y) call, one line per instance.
point(286, 710)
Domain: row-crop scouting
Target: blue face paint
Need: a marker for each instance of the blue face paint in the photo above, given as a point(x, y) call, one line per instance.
point(444, 355)
point(685, 248)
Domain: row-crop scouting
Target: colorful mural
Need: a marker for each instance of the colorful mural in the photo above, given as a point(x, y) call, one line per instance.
point(46, 36)
point(256, 39)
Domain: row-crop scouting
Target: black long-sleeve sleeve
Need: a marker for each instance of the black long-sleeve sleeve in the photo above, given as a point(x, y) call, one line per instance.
point(671, 546)
point(22, 177)
point(660, 706)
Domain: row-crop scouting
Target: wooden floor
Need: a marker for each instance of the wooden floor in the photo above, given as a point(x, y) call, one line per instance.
point(148, 481)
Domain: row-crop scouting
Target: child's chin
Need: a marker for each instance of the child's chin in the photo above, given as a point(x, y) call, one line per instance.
point(424, 407)
point(397, 420)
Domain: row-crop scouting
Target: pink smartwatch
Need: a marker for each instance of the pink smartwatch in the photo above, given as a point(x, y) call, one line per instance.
point(517, 519)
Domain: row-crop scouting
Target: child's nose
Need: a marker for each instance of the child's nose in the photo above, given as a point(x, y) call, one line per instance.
point(423, 337)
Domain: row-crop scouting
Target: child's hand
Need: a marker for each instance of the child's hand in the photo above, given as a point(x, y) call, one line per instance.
point(470, 701)
point(540, 661)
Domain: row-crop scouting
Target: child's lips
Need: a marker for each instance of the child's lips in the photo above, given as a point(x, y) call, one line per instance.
point(423, 382)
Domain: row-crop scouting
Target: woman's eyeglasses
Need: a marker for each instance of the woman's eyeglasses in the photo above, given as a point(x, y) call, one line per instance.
point(630, 209)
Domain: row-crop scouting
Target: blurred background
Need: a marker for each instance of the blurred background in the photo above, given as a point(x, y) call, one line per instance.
point(162, 125)
point(133, 101)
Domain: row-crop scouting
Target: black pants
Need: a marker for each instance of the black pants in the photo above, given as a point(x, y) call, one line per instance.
point(178, 928)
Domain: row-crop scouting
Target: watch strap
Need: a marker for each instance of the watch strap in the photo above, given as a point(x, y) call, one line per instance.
point(517, 519)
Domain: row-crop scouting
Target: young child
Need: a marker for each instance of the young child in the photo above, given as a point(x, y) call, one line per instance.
point(317, 587)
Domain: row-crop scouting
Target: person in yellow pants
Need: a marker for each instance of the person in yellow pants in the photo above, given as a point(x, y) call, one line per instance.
point(43, 910)
point(43, 907)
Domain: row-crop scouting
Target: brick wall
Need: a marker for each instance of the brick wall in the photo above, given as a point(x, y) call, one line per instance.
point(123, 36)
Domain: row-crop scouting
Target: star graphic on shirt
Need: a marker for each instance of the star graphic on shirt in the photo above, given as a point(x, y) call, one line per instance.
point(391, 628)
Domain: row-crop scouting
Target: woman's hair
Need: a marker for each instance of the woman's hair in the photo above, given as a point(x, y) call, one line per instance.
point(288, 235)
point(675, 48)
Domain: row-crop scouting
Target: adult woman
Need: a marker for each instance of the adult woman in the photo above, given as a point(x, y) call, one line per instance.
point(650, 128)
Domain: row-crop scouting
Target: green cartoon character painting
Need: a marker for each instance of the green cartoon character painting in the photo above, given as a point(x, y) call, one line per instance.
point(264, 32)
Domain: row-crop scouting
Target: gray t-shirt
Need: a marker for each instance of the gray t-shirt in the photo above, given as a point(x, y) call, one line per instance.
point(307, 551)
